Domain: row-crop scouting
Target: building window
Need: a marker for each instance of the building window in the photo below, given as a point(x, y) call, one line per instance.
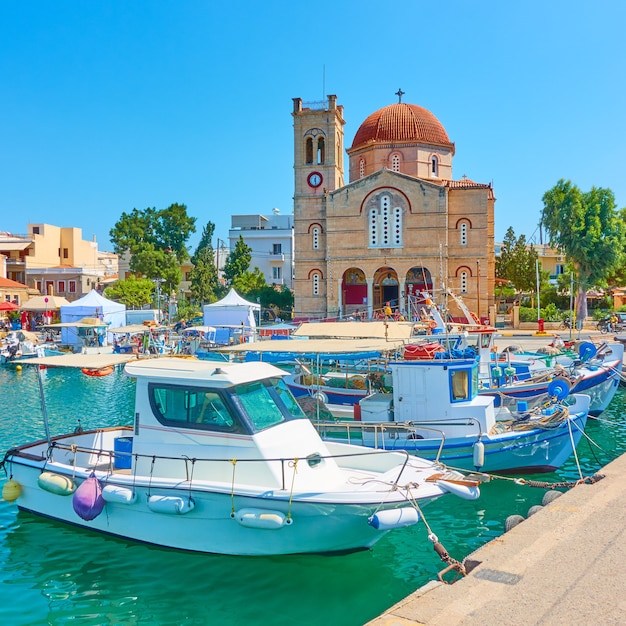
point(463, 282)
point(277, 273)
point(38, 286)
point(72, 286)
point(35, 230)
point(385, 224)
point(320, 151)
point(277, 248)
point(316, 284)
point(316, 238)
point(309, 150)
point(66, 253)
point(434, 166)
point(61, 286)
point(395, 163)
point(463, 234)
point(361, 168)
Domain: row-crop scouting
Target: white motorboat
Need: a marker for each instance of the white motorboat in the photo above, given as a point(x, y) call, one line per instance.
point(221, 459)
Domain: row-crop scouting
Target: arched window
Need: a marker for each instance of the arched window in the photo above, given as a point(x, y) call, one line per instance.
point(315, 234)
point(320, 151)
point(463, 282)
point(316, 284)
point(309, 150)
point(463, 234)
point(434, 166)
point(361, 168)
point(385, 224)
point(395, 163)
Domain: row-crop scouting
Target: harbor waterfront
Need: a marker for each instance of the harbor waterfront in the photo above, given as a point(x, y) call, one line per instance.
point(53, 574)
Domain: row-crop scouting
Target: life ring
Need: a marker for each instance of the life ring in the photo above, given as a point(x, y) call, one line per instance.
point(103, 371)
point(432, 324)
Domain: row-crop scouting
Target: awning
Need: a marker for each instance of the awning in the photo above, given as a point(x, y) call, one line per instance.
point(89, 361)
point(354, 330)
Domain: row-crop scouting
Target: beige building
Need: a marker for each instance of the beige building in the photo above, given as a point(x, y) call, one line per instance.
point(57, 260)
point(400, 227)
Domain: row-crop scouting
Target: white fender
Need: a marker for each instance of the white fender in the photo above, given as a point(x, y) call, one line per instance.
point(261, 518)
point(120, 495)
point(172, 505)
point(467, 492)
point(394, 518)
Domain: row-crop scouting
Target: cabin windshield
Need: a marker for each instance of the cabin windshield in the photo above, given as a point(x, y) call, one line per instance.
point(266, 403)
point(191, 407)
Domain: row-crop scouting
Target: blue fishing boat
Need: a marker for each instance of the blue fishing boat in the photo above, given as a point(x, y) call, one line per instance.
point(437, 412)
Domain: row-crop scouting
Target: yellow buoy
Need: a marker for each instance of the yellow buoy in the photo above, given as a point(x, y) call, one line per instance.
point(18, 368)
point(11, 490)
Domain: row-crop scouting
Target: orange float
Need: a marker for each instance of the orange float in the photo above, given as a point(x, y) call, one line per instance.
point(103, 371)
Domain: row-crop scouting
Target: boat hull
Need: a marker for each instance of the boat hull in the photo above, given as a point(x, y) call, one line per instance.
point(222, 519)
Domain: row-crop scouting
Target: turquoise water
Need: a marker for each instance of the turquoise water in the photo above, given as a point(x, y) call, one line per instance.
point(54, 574)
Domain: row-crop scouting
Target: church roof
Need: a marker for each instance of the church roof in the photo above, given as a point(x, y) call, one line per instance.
point(401, 122)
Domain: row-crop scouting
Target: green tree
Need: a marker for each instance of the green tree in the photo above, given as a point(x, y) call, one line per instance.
point(248, 283)
point(517, 262)
point(587, 228)
point(132, 291)
point(155, 240)
point(204, 283)
point(238, 261)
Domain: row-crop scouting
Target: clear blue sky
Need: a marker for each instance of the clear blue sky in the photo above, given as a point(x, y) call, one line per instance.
point(113, 105)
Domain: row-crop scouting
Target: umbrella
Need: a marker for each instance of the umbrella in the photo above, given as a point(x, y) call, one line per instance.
point(8, 306)
point(44, 303)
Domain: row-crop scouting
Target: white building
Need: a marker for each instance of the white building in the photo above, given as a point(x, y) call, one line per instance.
point(271, 240)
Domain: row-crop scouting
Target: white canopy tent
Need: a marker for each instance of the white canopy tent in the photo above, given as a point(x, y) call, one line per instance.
point(231, 312)
point(113, 314)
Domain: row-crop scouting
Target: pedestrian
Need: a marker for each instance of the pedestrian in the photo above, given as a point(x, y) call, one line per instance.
point(387, 311)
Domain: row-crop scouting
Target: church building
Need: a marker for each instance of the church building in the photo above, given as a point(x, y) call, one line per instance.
point(400, 228)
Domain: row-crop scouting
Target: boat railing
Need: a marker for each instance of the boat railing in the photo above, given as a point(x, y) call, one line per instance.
point(107, 460)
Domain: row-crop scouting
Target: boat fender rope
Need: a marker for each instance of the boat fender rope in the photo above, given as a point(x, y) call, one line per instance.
point(293, 481)
point(232, 490)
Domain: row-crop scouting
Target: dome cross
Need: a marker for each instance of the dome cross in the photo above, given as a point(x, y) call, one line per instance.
point(400, 93)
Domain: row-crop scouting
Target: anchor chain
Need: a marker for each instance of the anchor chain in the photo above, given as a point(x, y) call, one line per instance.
point(588, 480)
point(453, 564)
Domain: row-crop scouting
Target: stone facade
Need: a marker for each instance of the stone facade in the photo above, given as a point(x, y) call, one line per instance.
point(398, 229)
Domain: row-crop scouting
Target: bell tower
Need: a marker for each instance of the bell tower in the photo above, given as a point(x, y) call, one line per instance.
point(318, 170)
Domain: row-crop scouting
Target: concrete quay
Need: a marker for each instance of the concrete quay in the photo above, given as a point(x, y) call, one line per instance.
point(564, 565)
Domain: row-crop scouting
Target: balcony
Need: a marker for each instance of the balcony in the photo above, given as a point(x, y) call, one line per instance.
point(277, 257)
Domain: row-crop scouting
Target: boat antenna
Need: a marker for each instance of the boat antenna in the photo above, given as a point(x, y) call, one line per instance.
point(44, 409)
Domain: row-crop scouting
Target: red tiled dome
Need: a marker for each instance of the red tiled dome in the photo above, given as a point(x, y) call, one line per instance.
point(401, 122)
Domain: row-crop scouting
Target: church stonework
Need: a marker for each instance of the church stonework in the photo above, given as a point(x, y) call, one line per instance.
point(400, 228)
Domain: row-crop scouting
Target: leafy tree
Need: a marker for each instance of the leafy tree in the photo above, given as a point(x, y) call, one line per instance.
point(280, 300)
point(248, 282)
point(132, 291)
point(517, 262)
point(204, 283)
point(588, 230)
point(238, 261)
point(155, 240)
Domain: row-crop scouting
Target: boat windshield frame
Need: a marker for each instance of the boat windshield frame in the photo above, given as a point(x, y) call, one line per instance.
point(245, 408)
